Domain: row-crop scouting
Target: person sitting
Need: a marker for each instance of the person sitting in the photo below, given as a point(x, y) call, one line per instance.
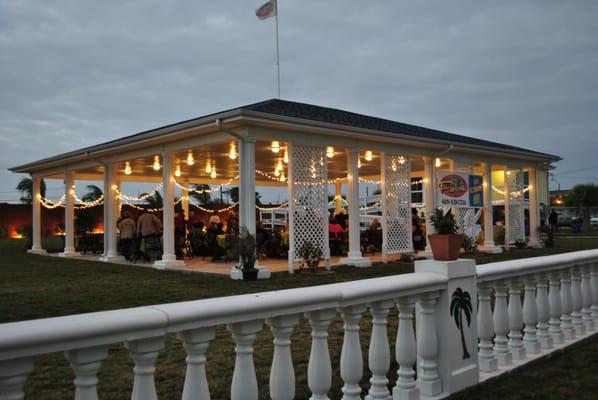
point(199, 239)
point(215, 250)
point(336, 237)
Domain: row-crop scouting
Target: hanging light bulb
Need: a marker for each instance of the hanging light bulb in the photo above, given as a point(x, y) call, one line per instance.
point(368, 155)
point(213, 173)
point(156, 165)
point(208, 167)
point(190, 159)
point(232, 154)
point(329, 151)
point(275, 146)
point(128, 169)
point(279, 165)
point(359, 162)
point(282, 177)
point(437, 162)
point(286, 156)
point(177, 170)
point(276, 172)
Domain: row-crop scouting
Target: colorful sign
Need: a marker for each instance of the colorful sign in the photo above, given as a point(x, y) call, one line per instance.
point(459, 190)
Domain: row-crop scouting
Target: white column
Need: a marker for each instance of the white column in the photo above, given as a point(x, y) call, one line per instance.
point(501, 325)
point(543, 305)
point(319, 369)
point(244, 384)
point(379, 351)
point(577, 302)
point(515, 321)
point(486, 359)
point(429, 183)
point(86, 363)
point(566, 306)
point(506, 189)
point(144, 353)
point(282, 373)
point(427, 347)
point(351, 364)
point(338, 197)
point(534, 210)
point(36, 201)
point(489, 245)
point(291, 207)
point(354, 257)
point(554, 299)
point(185, 198)
point(196, 343)
point(406, 354)
point(13, 374)
point(69, 215)
point(594, 285)
point(586, 294)
point(530, 317)
point(168, 254)
point(110, 217)
point(247, 183)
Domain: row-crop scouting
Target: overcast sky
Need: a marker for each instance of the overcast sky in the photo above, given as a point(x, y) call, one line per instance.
point(77, 73)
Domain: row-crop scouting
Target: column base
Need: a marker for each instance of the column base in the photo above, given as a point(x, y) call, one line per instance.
point(356, 261)
point(532, 347)
point(117, 259)
point(535, 243)
point(39, 251)
point(493, 249)
point(488, 365)
point(69, 254)
point(262, 273)
point(168, 264)
point(405, 394)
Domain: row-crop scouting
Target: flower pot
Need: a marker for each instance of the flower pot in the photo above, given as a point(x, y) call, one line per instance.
point(250, 274)
point(445, 247)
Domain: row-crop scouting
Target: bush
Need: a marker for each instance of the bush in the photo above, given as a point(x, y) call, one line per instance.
point(3, 232)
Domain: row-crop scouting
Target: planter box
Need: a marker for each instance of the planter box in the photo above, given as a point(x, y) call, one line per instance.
point(445, 247)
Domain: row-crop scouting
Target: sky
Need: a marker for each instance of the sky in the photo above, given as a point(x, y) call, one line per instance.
point(77, 73)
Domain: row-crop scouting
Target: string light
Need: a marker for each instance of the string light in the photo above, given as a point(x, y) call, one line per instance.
point(213, 173)
point(285, 158)
point(177, 170)
point(232, 154)
point(156, 165)
point(128, 170)
point(437, 162)
point(329, 151)
point(368, 155)
point(282, 177)
point(275, 146)
point(208, 167)
point(190, 159)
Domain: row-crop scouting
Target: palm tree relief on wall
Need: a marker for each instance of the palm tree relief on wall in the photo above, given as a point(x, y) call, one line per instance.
point(461, 304)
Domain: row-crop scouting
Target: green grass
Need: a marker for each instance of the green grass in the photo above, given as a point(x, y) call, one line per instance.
point(36, 287)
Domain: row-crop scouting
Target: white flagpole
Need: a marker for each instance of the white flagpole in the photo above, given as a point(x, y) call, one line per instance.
point(277, 53)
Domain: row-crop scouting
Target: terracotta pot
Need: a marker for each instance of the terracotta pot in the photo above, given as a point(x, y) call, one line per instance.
point(445, 247)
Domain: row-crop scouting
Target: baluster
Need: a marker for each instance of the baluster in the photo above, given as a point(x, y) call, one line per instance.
point(427, 347)
point(319, 370)
point(351, 357)
point(487, 360)
point(196, 342)
point(594, 284)
point(543, 313)
point(86, 363)
point(406, 354)
point(379, 352)
point(501, 325)
point(530, 317)
point(586, 295)
point(566, 306)
point(144, 353)
point(576, 302)
point(244, 383)
point(515, 321)
point(13, 374)
point(282, 374)
point(554, 299)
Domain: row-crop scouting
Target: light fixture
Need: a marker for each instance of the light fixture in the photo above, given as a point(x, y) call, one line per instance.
point(437, 162)
point(232, 154)
point(359, 162)
point(177, 169)
point(276, 172)
point(368, 155)
point(393, 166)
point(275, 146)
point(213, 173)
point(279, 165)
point(282, 177)
point(190, 159)
point(156, 165)
point(329, 151)
point(508, 172)
point(128, 170)
point(286, 156)
point(208, 166)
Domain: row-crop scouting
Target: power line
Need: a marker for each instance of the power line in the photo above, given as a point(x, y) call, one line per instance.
point(576, 170)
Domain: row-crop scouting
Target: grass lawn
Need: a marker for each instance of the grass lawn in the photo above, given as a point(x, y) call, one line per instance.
point(37, 287)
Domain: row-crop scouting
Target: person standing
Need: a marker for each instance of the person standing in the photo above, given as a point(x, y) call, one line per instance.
point(553, 220)
point(127, 229)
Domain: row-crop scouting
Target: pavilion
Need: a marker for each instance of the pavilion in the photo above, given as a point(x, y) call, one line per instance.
point(307, 149)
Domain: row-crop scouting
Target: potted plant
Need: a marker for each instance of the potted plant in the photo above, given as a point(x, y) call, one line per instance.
point(520, 243)
point(247, 255)
point(311, 255)
point(446, 242)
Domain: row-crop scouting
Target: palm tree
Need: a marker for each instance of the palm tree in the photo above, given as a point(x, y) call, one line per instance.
point(25, 186)
point(93, 193)
point(461, 304)
point(204, 198)
point(584, 197)
point(154, 201)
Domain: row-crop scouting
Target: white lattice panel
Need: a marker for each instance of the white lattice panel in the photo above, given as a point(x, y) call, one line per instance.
point(516, 223)
point(396, 204)
point(467, 219)
point(310, 198)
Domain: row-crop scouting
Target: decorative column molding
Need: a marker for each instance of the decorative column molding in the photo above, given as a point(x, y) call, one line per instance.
point(486, 359)
point(501, 325)
point(36, 202)
point(530, 317)
point(354, 256)
point(13, 374)
point(429, 183)
point(282, 373)
point(351, 364)
point(69, 215)
point(586, 294)
point(144, 353)
point(534, 210)
point(406, 354)
point(576, 301)
point(566, 306)
point(515, 321)
point(489, 246)
point(379, 351)
point(319, 369)
point(244, 384)
point(543, 306)
point(554, 300)
point(196, 343)
point(110, 242)
point(86, 363)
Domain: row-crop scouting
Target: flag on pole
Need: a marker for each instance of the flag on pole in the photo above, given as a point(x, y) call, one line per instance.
point(267, 10)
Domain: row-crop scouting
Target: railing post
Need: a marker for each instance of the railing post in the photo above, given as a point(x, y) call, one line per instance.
point(530, 317)
point(515, 321)
point(196, 342)
point(86, 363)
point(543, 305)
point(319, 369)
point(144, 353)
point(351, 357)
point(594, 284)
point(427, 346)
point(501, 325)
point(486, 358)
point(554, 299)
point(566, 306)
point(282, 374)
point(244, 383)
point(406, 354)
point(379, 351)
point(576, 301)
point(13, 374)
point(586, 294)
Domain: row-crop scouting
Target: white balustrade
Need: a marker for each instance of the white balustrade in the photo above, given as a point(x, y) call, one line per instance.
point(86, 363)
point(576, 302)
point(515, 321)
point(282, 374)
point(486, 358)
point(554, 300)
point(427, 347)
point(586, 295)
point(244, 385)
point(594, 284)
point(379, 353)
point(543, 306)
point(144, 353)
point(406, 353)
point(13, 374)
point(501, 325)
point(530, 317)
point(351, 357)
point(319, 369)
point(566, 306)
point(196, 342)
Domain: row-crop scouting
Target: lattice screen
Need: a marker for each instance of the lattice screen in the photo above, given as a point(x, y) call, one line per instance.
point(310, 198)
point(467, 218)
point(516, 223)
point(396, 205)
